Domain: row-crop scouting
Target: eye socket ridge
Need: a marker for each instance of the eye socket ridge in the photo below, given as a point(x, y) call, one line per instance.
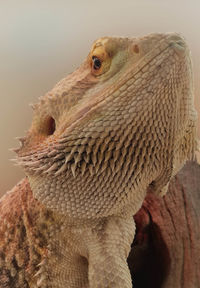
point(96, 63)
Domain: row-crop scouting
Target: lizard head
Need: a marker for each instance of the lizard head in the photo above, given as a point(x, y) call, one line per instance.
point(123, 121)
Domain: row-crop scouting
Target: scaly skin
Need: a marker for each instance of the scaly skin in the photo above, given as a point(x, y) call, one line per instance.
point(98, 141)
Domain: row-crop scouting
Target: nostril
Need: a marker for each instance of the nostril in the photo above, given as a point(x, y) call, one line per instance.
point(50, 126)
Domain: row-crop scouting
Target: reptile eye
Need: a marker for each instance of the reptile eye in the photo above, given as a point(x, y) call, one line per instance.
point(96, 63)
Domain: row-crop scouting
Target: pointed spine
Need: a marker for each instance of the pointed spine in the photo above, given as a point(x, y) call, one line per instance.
point(83, 167)
point(33, 106)
point(15, 150)
point(61, 170)
point(52, 168)
point(73, 168)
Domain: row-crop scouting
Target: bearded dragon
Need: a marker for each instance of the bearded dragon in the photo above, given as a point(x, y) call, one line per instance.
point(121, 124)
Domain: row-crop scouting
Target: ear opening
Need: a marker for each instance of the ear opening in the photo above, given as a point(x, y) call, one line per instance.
point(50, 126)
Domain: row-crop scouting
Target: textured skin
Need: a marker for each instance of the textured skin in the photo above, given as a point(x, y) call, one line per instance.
point(97, 142)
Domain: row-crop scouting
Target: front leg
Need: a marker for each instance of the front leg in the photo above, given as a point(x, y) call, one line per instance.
point(109, 246)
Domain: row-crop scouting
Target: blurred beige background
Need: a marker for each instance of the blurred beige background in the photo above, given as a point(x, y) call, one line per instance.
point(42, 41)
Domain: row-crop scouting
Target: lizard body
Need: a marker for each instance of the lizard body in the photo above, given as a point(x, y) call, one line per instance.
point(122, 123)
